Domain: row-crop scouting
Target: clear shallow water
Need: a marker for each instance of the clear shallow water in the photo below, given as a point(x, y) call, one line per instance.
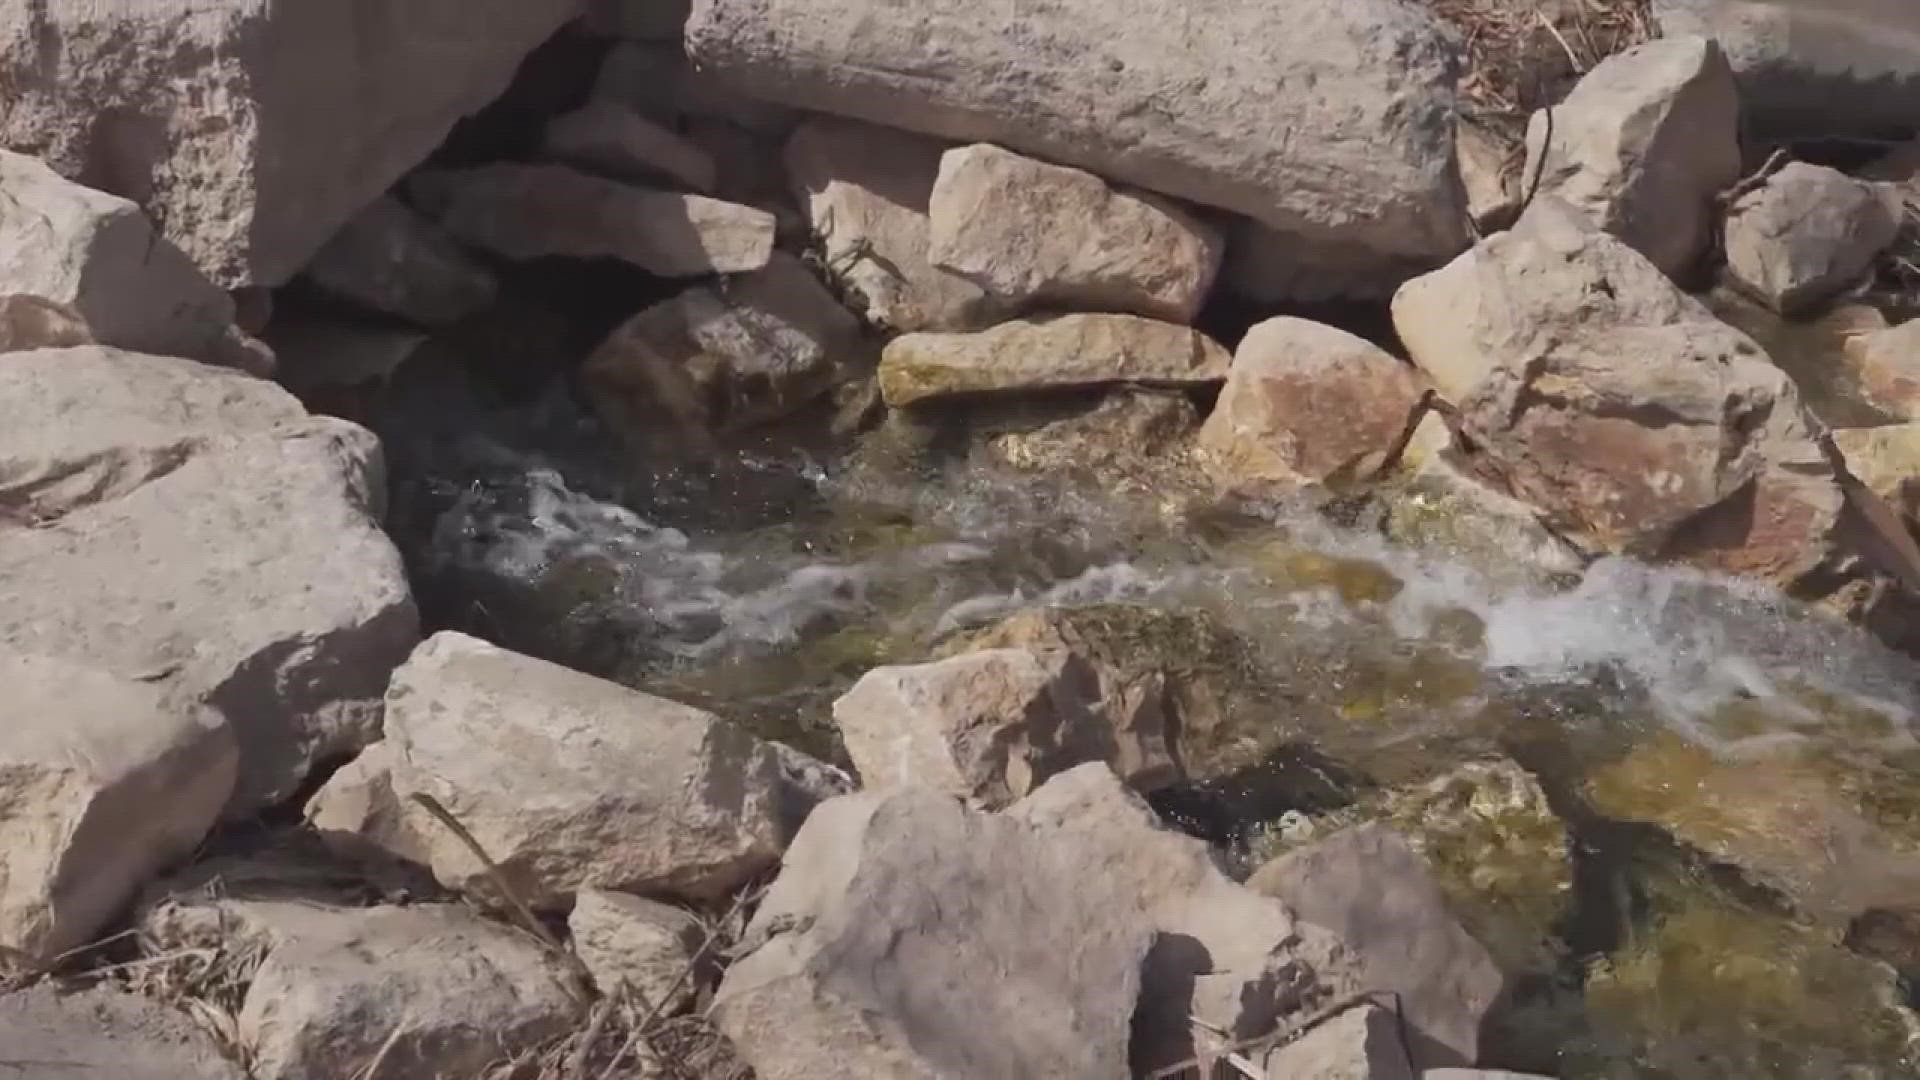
point(1713, 753)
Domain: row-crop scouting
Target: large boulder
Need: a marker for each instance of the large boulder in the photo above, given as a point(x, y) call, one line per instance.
point(1643, 145)
point(1034, 234)
point(569, 782)
point(1327, 120)
point(393, 260)
point(198, 531)
point(105, 1034)
point(103, 782)
point(251, 131)
point(1057, 352)
point(1308, 405)
point(1806, 234)
point(867, 192)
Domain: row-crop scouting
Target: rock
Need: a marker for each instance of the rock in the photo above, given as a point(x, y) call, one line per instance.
point(357, 816)
point(1642, 146)
point(644, 945)
point(1806, 234)
point(1371, 890)
point(1887, 460)
point(531, 211)
point(1309, 405)
point(1836, 68)
point(318, 353)
point(1440, 507)
point(720, 358)
point(891, 910)
point(867, 192)
point(35, 322)
point(1038, 235)
point(1490, 174)
point(1886, 365)
point(392, 260)
point(569, 782)
point(1617, 405)
point(638, 20)
point(1362, 1043)
point(1351, 147)
point(1135, 443)
point(987, 726)
point(196, 530)
point(1056, 352)
point(611, 138)
point(432, 990)
point(97, 256)
point(249, 132)
point(105, 1034)
point(103, 783)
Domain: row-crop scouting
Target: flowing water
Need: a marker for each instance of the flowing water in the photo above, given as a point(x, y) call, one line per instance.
point(1685, 814)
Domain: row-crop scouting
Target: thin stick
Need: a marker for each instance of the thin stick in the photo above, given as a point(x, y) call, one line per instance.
point(583, 1054)
point(380, 1058)
point(527, 917)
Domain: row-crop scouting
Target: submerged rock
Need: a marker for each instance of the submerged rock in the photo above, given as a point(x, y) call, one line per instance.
point(1806, 234)
point(1059, 352)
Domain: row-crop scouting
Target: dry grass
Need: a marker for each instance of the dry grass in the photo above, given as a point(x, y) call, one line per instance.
point(1525, 54)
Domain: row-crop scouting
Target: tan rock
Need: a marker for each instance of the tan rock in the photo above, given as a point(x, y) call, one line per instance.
point(392, 260)
point(1887, 461)
point(1308, 405)
point(1886, 366)
point(1049, 353)
point(35, 322)
point(1490, 172)
point(103, 782)
point(106, 1034)
point(1806, 234)
point(1642, 145)
point(1038, 235)
point(1351, 146)
point(1362, 1043)
point(530, 211)
point(357, 815)
point(867, 192)
point(609, 137)
point(569, 782)
point(646, 946)
point(252, 132)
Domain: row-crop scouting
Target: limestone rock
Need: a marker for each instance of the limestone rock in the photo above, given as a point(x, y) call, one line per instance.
point(1309, 405)
point(102, 783)
point(1887, 460)
point(715, 359)
point(611, 138)
point(1373, 892)
point(454, 992)
point(392, 260)
point(1038, 235)
point(1059, 352)
point(530, 211)
point(105, 1034)
point(642, 944)
point(1440, 506)
point(35, 322)
point(1806, 234)
point(357, 815)
point(1350, 145)
point(98, 256)
point(570, 782)
point(250, 131)
point(198, 530)
point(867, 192)
point(1362, 1043)
point(1642, 146)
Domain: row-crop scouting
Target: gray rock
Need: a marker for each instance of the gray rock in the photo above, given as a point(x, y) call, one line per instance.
point(1327, 120)
point(1807, 234)
point(1362, 1043)
point(1642, 145)
point(644, 945)
point(357, 815)
point(392, 260)
point(1059, 352)
point(609, 137)
point(103, 1034)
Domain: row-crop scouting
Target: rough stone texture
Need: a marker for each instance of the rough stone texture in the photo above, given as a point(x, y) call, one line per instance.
point(530, 211)
point(1372, 891)
point(1309, 405)
point(716, 359)
point(1362, 1043)
point(570, 782)
point(35, 322)
point(867, 191)
point(357, 815)
point(251, 131)
point(104, 1034)
point(1617, 405)
point(97, 255)
point(1329, 120)
point(1059, 352)
point(392, 260)
point(1490, 174)
point(609, 137)
point(1815, 67)
point(892, 910)
point(1806, 234)
point(197, 529)
point(1642, 145)
point(454, 992)
point(1887, 460)
point(642, 944)
point(1039, 235)
point(638, 20)
point(1886, 366)
point(986, 726)
point(103, 782)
